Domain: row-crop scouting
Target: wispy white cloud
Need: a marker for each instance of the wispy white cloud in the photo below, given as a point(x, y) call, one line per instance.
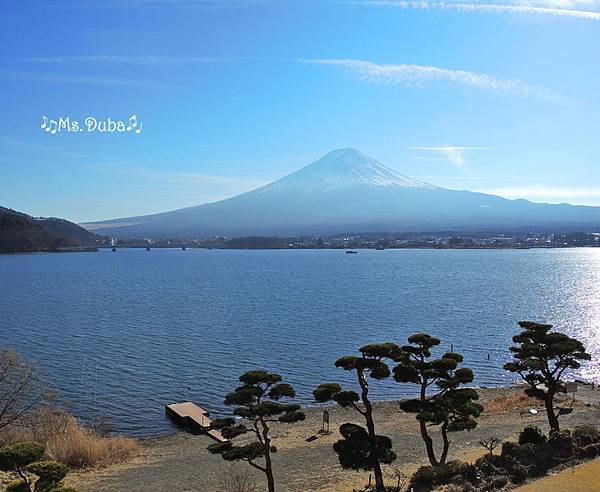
point(182, 4)
point(422, 74)
point(77, 79)
point(551, 194)
point(454, 154)
point(582, 9)
point(226, 184)
point(127, 60)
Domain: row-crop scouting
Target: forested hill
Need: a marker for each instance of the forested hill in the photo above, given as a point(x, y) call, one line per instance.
point(21, 232)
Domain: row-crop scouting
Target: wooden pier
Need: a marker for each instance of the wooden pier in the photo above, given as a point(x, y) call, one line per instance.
point(193, 416)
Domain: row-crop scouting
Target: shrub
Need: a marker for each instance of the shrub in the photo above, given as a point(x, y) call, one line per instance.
point(428, 477)
point(531, 435)
point(236, 479)
point(499, 481)
point(490, 465)
point(590, 451)
point(17, 486)
point(525, 453)
point(518, 473)
point(561, 444)
point(586, 434)
point(50, 475)
point(67, 441)
point(509, 449)
point(20, 455)
point(543, 460)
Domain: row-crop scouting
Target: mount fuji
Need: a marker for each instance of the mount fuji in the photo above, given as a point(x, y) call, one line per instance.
point(348, 191)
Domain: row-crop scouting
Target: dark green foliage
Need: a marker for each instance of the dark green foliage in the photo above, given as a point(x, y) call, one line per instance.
point(541, 358)
point(531, 435)
point(257, 400)
point(20, 455)
point(543, 460)
point(346, 398)
point(21, 232)
point(517, 462)
point(26, 455)
point(280, 391)
point(536, 454)
point(449, 406)
point(499, 482)
point(252, 379)
point(362, 448)
point(50, 475)
point(525, 453)
point(590, 451)
point(18, 486)
point(537, 458)
point(518, 473)
point(221, 423)
point(428, 477)
point(232, 431)
point(358, 451)
point(219, 447)
point(508, 449)
point(586, 434)
point(490, 465)
point(248, 452)
point(561, 444)
point(292, 416)
point(326, 391)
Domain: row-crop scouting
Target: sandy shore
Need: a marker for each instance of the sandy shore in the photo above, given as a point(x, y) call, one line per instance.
point(181, 463)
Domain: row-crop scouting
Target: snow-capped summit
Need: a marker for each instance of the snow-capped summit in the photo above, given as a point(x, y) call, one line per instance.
point(344, 167)
point(348, 191)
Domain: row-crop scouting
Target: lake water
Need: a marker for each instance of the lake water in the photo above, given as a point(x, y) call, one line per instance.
point(122, 334)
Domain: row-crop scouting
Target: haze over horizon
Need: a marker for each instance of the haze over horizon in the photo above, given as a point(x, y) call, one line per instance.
point(497, 97)
point(345, 191)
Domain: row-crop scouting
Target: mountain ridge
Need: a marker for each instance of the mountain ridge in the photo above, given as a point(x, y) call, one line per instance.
point(22, 232)
point(346, 190)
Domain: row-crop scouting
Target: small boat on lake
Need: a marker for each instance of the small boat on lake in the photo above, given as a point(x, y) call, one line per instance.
point(351, 252)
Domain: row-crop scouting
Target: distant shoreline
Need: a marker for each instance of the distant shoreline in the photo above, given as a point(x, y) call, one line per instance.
point(353, 248)
point(74, 249)
point(93, 249)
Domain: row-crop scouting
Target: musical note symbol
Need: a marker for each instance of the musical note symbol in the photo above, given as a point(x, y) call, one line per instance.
point(44, 122)
point(52, 127)
point(132, 122)
point(139, 130)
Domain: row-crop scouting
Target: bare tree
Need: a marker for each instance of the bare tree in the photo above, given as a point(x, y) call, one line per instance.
point(21, 388)
point(490, 444)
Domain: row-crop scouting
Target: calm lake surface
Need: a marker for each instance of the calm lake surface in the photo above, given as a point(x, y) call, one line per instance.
point(122, 334)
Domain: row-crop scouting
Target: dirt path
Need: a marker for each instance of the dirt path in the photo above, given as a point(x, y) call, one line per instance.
point(181, 462)
point(582, 478)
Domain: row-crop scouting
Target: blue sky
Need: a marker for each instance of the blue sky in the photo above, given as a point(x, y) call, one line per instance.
point(498, 96)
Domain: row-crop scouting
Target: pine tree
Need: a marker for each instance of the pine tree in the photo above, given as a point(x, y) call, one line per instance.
point(541, 358)
point(441, 401)
point(360, 448)
point(257, 401)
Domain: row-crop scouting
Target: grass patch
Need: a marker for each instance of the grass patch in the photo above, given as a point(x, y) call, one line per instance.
point(509, 402)
point(67, 441)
